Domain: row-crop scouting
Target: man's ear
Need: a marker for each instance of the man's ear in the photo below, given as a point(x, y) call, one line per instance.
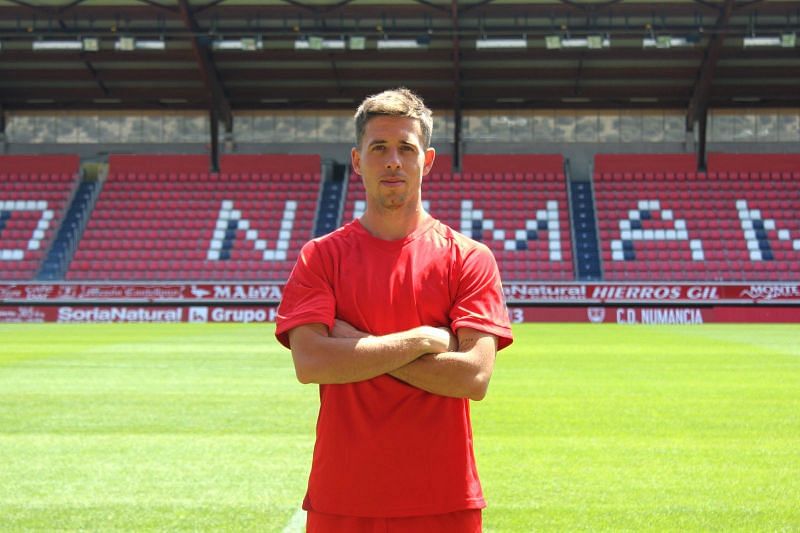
point(430, 155)
point(355, 158)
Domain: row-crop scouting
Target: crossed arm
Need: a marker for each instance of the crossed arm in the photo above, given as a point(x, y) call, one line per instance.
point(428, 358)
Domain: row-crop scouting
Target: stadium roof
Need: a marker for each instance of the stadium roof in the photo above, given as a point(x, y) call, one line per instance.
point(680, 54)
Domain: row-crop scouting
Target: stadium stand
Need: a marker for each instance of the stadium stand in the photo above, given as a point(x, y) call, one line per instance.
point(166, 218)
point(661, 220)
point(34, 192)
point(515, 204)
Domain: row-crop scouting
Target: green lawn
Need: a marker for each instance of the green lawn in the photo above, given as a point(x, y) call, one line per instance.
point(586, 427)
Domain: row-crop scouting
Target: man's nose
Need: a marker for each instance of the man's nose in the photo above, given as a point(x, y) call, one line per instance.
point(393, 159)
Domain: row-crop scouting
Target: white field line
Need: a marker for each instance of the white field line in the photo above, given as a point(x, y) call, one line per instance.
point(296, 522)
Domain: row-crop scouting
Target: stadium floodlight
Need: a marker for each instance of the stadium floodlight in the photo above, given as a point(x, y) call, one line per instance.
point(552, 42)
point(314, 42)
point(318, 43)
point(403, 44)
point(91, 44)
point(756, 41)
point(503, 43)
point(333, 44)
point(357, 42)
point(226, 45)
point(59, 46)
point(667, 41)
point(583, 42)
point(574, 43)
point(247, 44)
point(125, 44)
point(129, 44)
point(597, 41)
point(251, 44)
point(154, 44)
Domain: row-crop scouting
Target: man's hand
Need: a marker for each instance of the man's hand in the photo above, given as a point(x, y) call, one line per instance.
point(452, 344)
point(459, 373)
point(443, 338)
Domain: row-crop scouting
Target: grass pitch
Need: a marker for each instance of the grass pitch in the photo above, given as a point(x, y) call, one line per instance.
point(586, 427)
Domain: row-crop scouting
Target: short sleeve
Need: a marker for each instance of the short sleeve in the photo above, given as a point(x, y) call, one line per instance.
point(479, 302)
point(307, 296)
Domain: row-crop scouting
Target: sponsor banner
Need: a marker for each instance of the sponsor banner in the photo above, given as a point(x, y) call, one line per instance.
point(702, 293)
point(137, 313)
point(516, 293)
point(22, 313)
point(661, 315)
point(237, 314)
point(117, 314)
point(655, 315)
point(252, 292)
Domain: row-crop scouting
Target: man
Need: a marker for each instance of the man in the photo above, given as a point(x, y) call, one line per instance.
point(398, 319)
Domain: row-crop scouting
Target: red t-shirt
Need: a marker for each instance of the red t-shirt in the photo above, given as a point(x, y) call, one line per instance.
point(386, 448)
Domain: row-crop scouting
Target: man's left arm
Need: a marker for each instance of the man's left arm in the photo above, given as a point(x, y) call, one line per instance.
point(462, 373)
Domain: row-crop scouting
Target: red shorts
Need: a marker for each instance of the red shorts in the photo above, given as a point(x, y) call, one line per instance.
point(468, 521)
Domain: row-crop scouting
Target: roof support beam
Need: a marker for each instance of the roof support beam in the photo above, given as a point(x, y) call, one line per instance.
point(49, 11)
point(705, 74)
point(58, 13)
point(199, 9)
point(95, 75)
point(171, 9)
point(702, 128)
point(213, 165)
point(590, 8)
point(3, 138)
point(698, 103)
point(476, 5)
point(301, 5)
point(456, 156)
point(218, 102)
point(316, 10)
point(432, 5)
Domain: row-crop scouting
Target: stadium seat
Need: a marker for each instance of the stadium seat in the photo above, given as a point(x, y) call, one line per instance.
point(724, 225)
point(184, 223)
point(34, 194)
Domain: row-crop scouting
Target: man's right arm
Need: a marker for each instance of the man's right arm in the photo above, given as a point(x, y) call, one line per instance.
point(321, 358)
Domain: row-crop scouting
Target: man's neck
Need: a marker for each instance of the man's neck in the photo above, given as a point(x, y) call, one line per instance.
point(391, 225)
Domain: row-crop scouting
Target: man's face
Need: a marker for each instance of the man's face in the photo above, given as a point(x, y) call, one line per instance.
point(391, 161)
